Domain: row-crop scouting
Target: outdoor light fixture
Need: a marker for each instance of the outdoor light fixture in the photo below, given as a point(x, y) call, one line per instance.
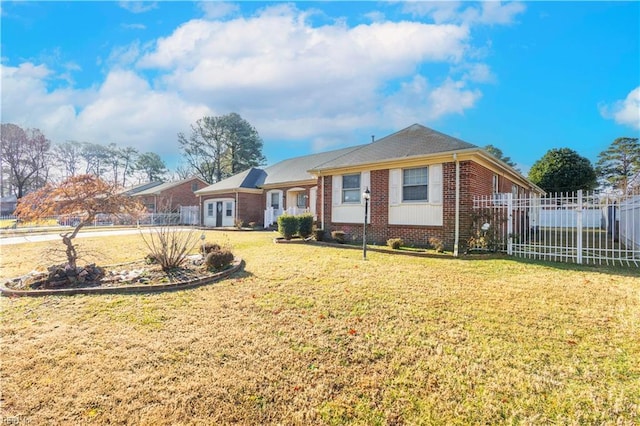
point(367, 196)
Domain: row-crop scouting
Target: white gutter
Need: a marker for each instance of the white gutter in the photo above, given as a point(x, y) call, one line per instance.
point(236, 210)
point(322, 201)
point(456, 237)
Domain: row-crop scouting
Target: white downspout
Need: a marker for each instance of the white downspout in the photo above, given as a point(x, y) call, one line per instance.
point(457, 219)
point(322, 202)
point(235, 210)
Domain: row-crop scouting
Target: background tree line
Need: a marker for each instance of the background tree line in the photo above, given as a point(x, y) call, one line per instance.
point(29, 160)
point(218, 147)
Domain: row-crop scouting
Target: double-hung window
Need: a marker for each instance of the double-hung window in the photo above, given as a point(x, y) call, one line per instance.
point(351, 188)
point(229, 208)
point(415, 184)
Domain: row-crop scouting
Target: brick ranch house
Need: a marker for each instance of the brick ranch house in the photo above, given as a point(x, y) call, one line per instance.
point(422, 185)
point(164, 197)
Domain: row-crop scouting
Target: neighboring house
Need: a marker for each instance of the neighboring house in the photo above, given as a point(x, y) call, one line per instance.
point(159, 197)
point(8, 205)
point(422, 184)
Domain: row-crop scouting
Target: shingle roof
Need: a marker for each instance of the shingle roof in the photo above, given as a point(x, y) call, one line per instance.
point(414, 141)
point(135, 189)
point(164, 186)
point(297, 169)
point(249, 179)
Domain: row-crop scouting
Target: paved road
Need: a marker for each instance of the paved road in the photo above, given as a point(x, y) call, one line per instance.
point(34, 238)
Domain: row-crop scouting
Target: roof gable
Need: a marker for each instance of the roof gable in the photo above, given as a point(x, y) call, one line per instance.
point(157, 189)
point(248, 179)
point(414, 141)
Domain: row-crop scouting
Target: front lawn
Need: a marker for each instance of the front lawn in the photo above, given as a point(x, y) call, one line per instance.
point(315, 335)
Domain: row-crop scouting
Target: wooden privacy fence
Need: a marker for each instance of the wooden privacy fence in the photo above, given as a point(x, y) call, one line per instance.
point(581, 227)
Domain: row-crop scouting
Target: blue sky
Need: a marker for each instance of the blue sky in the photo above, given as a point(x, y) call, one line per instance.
point(312, 76)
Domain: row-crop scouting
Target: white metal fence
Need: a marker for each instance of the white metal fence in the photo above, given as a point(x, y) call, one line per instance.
point(581, 227)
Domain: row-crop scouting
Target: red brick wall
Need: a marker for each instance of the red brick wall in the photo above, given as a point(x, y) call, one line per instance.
point(475, 179)
point(172, 198)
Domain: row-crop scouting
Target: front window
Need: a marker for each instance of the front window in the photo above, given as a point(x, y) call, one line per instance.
point(275, 200)
point(210, 209)
point(415, 184)
point(301, 200)
point(229, 209)
point(351, 188)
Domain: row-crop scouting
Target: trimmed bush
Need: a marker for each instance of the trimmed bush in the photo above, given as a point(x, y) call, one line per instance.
point(305, 225)
point(218, 259)
point(318, 234)
point(253, 225)
point(239, 223)
point(287, 226)
point(339, 236)
point(395, 243)
point(209, 247)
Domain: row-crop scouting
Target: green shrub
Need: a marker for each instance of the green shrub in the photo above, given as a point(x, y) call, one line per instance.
point(218, 259)
point(339, 236)
point(305, 225)
point(436, 244)
point(318, 234)
point(209, 247)
point(395, 243)
point(287, 225)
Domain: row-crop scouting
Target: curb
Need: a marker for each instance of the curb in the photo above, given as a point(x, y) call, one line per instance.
point(236, 266)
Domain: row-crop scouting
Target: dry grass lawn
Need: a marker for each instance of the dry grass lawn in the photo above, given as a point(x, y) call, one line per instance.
point(315, 335)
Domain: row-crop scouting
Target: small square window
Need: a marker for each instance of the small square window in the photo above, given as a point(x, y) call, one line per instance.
point(194, 186)
point(229, 209)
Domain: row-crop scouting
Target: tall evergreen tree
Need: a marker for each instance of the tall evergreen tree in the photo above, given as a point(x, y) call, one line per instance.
point(619, 164)
point(219, 147)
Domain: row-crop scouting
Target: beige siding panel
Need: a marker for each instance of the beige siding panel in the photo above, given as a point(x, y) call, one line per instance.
point(348, 213)
point(425, 214)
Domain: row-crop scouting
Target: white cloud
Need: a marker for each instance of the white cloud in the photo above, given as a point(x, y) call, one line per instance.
point(134, 26)
point(626, 111)
point(276, 65)
point(487, 12)
point(138, 6)
point(217, 9)
point(290, 79)
point(124, 110)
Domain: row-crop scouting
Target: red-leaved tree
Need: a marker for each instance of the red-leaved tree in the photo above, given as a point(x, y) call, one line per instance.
point(84, 196)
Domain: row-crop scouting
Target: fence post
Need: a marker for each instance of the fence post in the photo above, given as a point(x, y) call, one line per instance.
point(579, 228)
point(509, 224)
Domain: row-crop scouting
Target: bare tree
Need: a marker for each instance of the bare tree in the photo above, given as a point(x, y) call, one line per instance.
point(68, 155)
point(25, 154)
point(84, 196)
